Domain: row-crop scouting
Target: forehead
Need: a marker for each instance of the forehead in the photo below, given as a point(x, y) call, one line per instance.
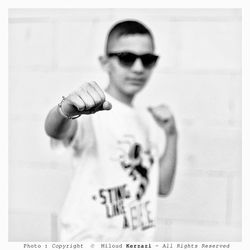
point(134, 43)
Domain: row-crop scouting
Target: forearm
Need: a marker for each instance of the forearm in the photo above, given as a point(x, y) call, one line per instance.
point(57, 126)
point(168, 165)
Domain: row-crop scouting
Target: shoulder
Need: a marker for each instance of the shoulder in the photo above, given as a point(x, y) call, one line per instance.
point(145, 115)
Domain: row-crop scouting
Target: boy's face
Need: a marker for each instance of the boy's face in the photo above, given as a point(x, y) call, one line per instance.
point(129, 79)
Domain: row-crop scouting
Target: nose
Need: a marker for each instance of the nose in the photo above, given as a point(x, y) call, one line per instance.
point(137, 66)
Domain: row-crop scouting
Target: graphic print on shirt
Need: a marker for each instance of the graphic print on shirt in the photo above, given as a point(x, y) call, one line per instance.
point(113, 199)
point(136, 162)
point(137, 215)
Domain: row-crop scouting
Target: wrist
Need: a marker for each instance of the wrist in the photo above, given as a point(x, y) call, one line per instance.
point(171, 134)
point(65, 109)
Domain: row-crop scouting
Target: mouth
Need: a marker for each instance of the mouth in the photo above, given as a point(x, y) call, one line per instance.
point(136, 81)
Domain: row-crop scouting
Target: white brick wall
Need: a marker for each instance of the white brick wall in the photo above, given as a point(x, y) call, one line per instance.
point(30, 45)
point(198, 75)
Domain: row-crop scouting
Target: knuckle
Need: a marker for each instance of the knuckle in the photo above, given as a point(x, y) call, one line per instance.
point(94, 83)
point(89, 84)
point(83, 86)
point(71, 96)
point(103, 96)
point(99, 102)
point(81, 104)
point(98, 88)
point(89, 103)
point(96, 99)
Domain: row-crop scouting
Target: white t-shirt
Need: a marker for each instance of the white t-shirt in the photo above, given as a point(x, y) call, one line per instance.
point(114, 190)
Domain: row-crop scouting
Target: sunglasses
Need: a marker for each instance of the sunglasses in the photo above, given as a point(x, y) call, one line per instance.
point(127, 59)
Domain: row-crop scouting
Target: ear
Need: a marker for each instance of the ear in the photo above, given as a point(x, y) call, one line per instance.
point(104, 61)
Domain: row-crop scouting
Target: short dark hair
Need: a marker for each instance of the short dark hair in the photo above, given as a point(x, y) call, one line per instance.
point(128, 27)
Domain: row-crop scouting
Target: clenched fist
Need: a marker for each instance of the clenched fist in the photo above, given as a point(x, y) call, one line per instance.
point(87, 99)
point(164, 118)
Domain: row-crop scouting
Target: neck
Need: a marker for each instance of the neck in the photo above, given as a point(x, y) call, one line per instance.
point(126, 99)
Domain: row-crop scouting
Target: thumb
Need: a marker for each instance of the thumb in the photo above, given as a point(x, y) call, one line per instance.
point(153, 113)
point(106, 105)
point(151, 110)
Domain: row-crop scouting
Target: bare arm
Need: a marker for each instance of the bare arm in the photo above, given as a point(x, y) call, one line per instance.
point(166, 121)
point(59, 127)
point(85, 100)
point(168, 166)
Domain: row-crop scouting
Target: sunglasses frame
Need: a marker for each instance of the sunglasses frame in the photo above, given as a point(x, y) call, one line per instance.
point(135, 56)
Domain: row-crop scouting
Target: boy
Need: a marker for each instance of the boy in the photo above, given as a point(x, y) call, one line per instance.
point(123, 157)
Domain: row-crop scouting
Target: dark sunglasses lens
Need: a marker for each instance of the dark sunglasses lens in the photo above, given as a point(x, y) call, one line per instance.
point(127, 59)
point(149, 60)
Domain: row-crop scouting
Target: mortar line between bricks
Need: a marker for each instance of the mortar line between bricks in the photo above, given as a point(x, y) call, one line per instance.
point(20, 20)
point(169, 19)
point(54, 42)
point(54, 226)
point(166, 221)
point(53, 166)
point(80, 69)
point(32, 211)
point(229, 200)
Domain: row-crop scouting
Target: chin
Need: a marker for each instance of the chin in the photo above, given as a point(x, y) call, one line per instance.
point(133, 92)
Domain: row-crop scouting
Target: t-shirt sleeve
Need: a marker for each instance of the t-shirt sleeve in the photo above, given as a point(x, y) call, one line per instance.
point(77, 143)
